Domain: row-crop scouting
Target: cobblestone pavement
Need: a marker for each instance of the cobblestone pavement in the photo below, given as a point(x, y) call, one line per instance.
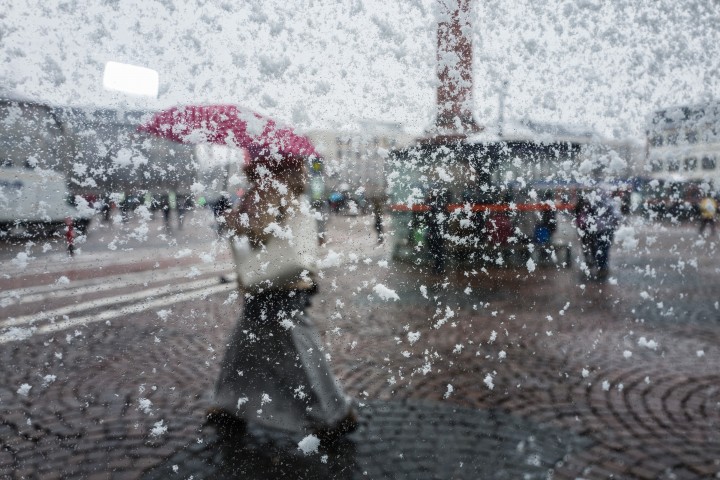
point(398, 439)
point(539, 373)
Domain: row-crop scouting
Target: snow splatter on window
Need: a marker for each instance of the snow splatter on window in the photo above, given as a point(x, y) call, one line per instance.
point(24, 389)
point(309, 444)
point(385, 293)
point(145, 405)
point(651, 344)
point(159, 429)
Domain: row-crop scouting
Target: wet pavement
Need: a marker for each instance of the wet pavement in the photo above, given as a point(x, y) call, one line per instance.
point(504, 374)
point(395, 439)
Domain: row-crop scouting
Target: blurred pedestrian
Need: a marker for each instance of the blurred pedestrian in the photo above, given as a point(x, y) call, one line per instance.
point(583, 221)
point(607, 219)
point(274, 372)
point(708, 212)
point(336, 200)
point(165, 207)
point(70, 236)
point(105, 207)
point(184, 203)
point(220, 208)
point(436, 218)
point(597, 218)
point(125, 207)
point(548, 217)
point(377, 208)
point(322, 214)
point(547, 225)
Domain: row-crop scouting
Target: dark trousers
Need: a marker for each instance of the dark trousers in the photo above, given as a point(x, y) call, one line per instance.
point(602, 252)
point(588, 243)
point(704, 222)
point(436, 248)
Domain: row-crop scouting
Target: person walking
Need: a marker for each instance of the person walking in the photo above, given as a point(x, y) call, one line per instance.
point(165, 207)
point(546, 227)
point(584, 214)
point(377, 209)
point(596, 218)
point(274, 372)
point(708, 212)
point(607, 220)
point(436, 217)
point(184, 203)
point(220, 208)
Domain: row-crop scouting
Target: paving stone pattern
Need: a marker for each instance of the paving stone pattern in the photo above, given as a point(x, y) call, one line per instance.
point(396, 439)
point(574, 379)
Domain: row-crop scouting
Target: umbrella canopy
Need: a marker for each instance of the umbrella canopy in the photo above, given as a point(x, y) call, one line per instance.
point(229, 125)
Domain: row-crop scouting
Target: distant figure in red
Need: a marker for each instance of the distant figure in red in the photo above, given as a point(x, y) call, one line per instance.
point(70, 236)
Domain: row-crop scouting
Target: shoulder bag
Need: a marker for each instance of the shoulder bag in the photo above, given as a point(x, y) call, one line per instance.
point(289, 255)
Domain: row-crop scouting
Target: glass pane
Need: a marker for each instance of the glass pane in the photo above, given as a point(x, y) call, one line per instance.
point(363, 239)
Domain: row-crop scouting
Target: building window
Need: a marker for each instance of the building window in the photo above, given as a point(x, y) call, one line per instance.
point(690, 164)
point(673, 165)
point(656, 141)
point(692, 136)
point(672, 139)
point(708, 163)
point(656, 165)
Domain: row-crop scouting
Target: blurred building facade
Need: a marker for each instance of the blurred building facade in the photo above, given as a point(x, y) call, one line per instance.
point(97, 150)
point(598, 158)
point(683, 143)
point(355, 159)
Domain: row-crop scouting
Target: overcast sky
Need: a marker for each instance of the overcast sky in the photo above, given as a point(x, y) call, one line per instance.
point(316, 64)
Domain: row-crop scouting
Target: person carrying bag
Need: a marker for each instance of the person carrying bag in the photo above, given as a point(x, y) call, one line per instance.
point(274, 372)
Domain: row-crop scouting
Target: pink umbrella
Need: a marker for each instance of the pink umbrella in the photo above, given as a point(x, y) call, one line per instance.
point(228, 125)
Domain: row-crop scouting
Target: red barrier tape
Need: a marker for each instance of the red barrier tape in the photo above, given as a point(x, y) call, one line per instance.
point(485, 207)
